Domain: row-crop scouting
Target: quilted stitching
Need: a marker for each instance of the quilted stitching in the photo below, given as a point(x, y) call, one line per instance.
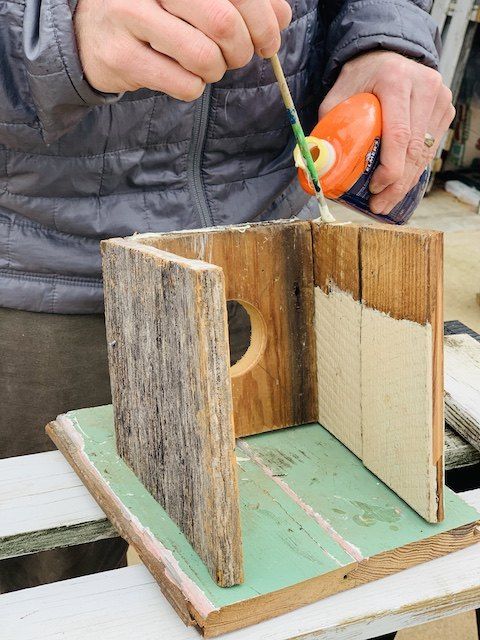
point(112, 165)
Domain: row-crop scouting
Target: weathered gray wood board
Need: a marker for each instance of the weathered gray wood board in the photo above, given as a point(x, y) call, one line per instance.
point(268, 268)
point(379, 353)
point(169, 368)
point(462, 386)
point(458, 452)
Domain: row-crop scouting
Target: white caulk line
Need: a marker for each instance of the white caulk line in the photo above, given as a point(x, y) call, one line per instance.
point(349, 548)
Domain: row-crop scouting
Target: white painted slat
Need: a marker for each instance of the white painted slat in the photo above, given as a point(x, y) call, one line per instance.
point(43, 505)
point(453, 40)
point(458, 452)
point(439, 12)
point(472, 498)
point(462, 386)
point(127, 603)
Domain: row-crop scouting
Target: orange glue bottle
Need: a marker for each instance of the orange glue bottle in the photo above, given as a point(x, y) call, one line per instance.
point(345, 146)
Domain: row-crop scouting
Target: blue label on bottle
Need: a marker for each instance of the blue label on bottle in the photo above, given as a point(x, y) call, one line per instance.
point(358, 196)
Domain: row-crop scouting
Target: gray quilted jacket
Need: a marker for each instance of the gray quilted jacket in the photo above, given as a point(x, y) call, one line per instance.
point(77, 166)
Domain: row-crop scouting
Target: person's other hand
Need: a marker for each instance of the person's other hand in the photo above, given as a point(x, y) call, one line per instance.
point(414, 102)
point(173, 46)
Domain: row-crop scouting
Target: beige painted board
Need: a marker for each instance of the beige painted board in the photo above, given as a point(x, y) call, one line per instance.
point(338, 320)
point(397, 408)
point(378, 324)
point(402, 363)
point(338, 315)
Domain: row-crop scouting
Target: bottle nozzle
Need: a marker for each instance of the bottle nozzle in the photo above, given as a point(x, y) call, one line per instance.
point(323, 155)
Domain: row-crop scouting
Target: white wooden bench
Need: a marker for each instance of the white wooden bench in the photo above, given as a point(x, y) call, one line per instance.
point(43, 505)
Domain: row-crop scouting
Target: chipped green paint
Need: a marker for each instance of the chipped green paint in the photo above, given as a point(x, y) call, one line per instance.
point(352, 499)
point(372, 514)
point(283, 545)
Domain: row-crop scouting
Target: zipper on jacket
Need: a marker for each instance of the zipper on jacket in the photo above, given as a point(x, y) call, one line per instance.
point(195, 157)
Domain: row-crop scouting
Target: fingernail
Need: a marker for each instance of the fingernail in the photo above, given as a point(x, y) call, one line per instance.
point(378, 205)
point(375, 187)
point(270, 49)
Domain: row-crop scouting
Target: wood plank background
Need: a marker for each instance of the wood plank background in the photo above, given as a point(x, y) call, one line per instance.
point(462, 386)
point(269, 266)
point(117, 605)
point(44, 505)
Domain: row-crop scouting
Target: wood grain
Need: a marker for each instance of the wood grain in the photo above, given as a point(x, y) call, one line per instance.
point(400, 272)
point(169, 369)
point(462, 386)
point(336, 257)
point(297, 531)
point(116, 604)
point(268, 266)
point(458, 452)
point(402, 362)
point(369, 571)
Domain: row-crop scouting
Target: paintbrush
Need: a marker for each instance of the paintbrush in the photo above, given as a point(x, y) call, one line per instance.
point(293, 118)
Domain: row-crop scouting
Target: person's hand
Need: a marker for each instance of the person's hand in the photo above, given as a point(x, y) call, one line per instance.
point(414, 102)
point(173, 46)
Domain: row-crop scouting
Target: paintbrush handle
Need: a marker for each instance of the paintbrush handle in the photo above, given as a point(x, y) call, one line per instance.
point(294, 119)
point(282, 83)
point(300, 136)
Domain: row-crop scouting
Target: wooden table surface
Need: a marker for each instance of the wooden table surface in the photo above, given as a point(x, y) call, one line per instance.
point(44, 505)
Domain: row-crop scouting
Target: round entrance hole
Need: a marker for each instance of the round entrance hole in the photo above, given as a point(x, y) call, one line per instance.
point(246, 335)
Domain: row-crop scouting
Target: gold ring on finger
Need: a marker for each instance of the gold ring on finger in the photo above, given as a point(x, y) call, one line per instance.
point(429, 140)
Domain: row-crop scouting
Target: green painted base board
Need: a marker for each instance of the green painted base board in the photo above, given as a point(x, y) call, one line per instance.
point(311, 514)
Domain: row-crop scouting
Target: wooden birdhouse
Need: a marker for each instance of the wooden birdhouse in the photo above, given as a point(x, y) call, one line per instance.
point(345, 329)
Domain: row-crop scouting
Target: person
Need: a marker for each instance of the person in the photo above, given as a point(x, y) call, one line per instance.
point(119, 117)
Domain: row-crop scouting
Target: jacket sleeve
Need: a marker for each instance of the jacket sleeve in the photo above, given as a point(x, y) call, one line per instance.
point(59, 91)
point(403, 26)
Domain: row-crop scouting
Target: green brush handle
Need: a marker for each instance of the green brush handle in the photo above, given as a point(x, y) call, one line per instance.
point(300, 138)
